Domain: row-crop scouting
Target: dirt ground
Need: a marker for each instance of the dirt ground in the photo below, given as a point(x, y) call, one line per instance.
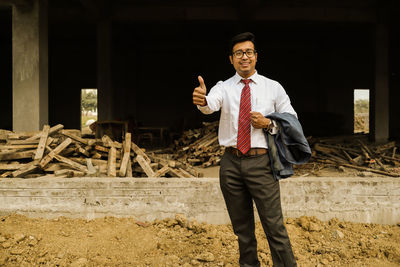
point(178, 242)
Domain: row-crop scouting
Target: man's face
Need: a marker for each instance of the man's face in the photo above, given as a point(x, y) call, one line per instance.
point(245, 66)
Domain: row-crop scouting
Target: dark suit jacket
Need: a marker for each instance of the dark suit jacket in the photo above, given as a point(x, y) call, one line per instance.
point(289, 146)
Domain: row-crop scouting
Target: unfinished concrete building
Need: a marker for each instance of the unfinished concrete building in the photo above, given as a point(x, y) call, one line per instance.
point(144, 57)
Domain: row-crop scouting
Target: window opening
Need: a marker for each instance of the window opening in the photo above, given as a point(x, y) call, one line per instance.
point(88, 109)
point(361, 110)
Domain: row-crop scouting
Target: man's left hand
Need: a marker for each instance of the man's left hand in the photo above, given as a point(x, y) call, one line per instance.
point(258, 120)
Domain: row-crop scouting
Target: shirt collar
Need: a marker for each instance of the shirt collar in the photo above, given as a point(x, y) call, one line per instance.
point(254, 78)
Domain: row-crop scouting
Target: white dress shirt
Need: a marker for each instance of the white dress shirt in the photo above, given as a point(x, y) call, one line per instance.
point(267, 96)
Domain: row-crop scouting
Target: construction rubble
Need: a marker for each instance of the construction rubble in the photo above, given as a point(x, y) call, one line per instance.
point(200, 147)
point(64, 153)
point(355, 152)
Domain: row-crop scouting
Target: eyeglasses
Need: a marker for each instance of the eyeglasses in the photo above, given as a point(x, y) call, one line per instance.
point(249, 53)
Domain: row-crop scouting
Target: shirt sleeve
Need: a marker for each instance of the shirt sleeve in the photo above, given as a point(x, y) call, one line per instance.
point(274, 128)
point(214, 99)
point(282, 102)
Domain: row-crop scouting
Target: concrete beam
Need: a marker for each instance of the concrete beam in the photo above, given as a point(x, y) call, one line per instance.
point(230, 13)
point(20, 3)
point(30, 66)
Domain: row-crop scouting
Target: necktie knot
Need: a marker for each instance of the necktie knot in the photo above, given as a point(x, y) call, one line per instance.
point(246, 81)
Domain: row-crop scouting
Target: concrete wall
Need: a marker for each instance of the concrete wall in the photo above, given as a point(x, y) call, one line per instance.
point(372, 200)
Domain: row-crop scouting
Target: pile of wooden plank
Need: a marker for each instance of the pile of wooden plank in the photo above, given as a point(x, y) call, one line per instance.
point(356, 153)
point(64, 153)
point(200, 146)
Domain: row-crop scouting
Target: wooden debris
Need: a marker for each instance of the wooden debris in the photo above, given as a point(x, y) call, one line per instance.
point(26, 169)
point(42, 143)
point(68, 173)
point(109, 143)
point(71, 163)
point(111, 164)
point(176, 173)
point(129, 168)
point(83, 151)
point(140, 152)
point(23, 142)
point(54, 152)
point(64, 153)
point(145, 166)
point(126, 156)
point(6, 174)
point(200, 146)
point(185, 173)
point(371, 170)
point(91, 169)
point(17, 155)
point(359, 154)
point(7, 167)
point(52, 130)
point(162, 171)
point(74, 137)
point(16, 147)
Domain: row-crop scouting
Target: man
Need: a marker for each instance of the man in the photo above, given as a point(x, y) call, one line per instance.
point(245, 174)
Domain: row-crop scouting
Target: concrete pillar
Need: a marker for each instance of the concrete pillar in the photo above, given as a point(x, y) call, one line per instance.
point(30, 65)
point(104, 82)
point(381, 112)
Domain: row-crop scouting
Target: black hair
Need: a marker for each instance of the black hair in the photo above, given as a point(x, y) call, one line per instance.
point(242, 37)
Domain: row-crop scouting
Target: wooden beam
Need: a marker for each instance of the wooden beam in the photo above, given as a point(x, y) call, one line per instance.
point(16, 147)
point(126, 156)
point(12, 167)
point(52, 130)
point(162, 171)
point(129, 168)
point(42, 143)
point(71, 163)
point(54, 152)
point(26, 169)
point(17, 155)
point(140, 152)
point(23, 142)
point(111, 164)
point(74, 137)
point(145, 166)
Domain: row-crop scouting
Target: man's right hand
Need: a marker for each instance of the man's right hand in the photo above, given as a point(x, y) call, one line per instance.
point(199, 93)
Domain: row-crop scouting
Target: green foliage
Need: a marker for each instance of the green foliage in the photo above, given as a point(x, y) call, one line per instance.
point(89, 100)
point(361, 106)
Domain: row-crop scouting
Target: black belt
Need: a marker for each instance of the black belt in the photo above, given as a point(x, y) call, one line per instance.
point(251, 152)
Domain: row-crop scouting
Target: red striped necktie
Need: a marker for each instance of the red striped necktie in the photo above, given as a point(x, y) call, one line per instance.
point(243, 139)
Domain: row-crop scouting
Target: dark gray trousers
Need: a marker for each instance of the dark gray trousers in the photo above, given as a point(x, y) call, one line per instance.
point(243, 179)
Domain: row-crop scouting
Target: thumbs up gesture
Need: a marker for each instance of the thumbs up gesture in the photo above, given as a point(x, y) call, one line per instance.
point(199, 93)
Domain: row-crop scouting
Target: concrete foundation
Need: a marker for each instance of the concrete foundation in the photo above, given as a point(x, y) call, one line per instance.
point(369, 200)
